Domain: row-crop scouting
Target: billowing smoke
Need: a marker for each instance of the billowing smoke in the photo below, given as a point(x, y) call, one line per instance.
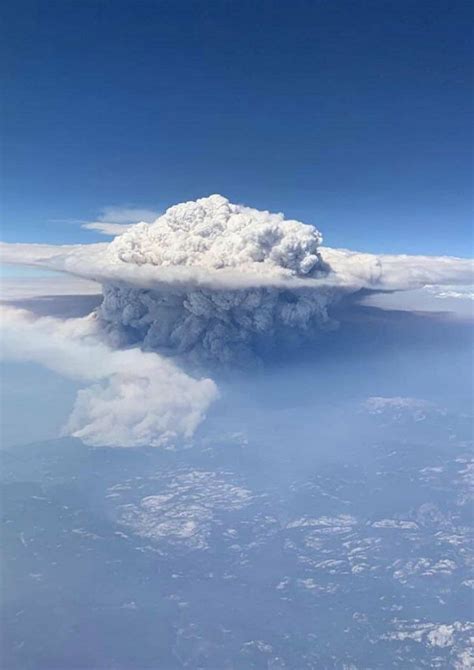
point(130, 397)
point(222, 324)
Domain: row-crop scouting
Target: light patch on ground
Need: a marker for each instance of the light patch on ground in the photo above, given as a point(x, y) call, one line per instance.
point(186, 510)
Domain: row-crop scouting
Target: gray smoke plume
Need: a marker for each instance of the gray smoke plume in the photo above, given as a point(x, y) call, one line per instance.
point(218, 325)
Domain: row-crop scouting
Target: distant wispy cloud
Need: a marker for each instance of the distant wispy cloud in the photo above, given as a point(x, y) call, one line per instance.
point(114, 221)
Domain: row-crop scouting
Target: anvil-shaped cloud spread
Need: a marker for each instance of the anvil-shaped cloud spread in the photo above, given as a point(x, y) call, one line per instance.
point(212, 243)
point(216, 282)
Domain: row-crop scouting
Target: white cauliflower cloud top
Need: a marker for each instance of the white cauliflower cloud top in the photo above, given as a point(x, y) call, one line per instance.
point(214, 233)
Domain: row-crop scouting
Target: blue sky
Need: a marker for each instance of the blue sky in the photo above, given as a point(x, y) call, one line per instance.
point(354, 116)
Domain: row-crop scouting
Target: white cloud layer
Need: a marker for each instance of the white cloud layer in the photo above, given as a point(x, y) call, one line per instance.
point(397, 272)
point(135, 398)
point(20, 288)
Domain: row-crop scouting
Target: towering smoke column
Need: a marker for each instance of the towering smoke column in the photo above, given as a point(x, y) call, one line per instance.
point(216, 322)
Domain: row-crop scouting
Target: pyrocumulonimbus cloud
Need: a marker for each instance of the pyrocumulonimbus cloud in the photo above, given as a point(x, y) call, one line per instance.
point(210, 281)
point(218, 323)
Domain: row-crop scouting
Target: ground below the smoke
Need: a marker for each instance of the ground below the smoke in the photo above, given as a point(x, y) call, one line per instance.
point(245, 550)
